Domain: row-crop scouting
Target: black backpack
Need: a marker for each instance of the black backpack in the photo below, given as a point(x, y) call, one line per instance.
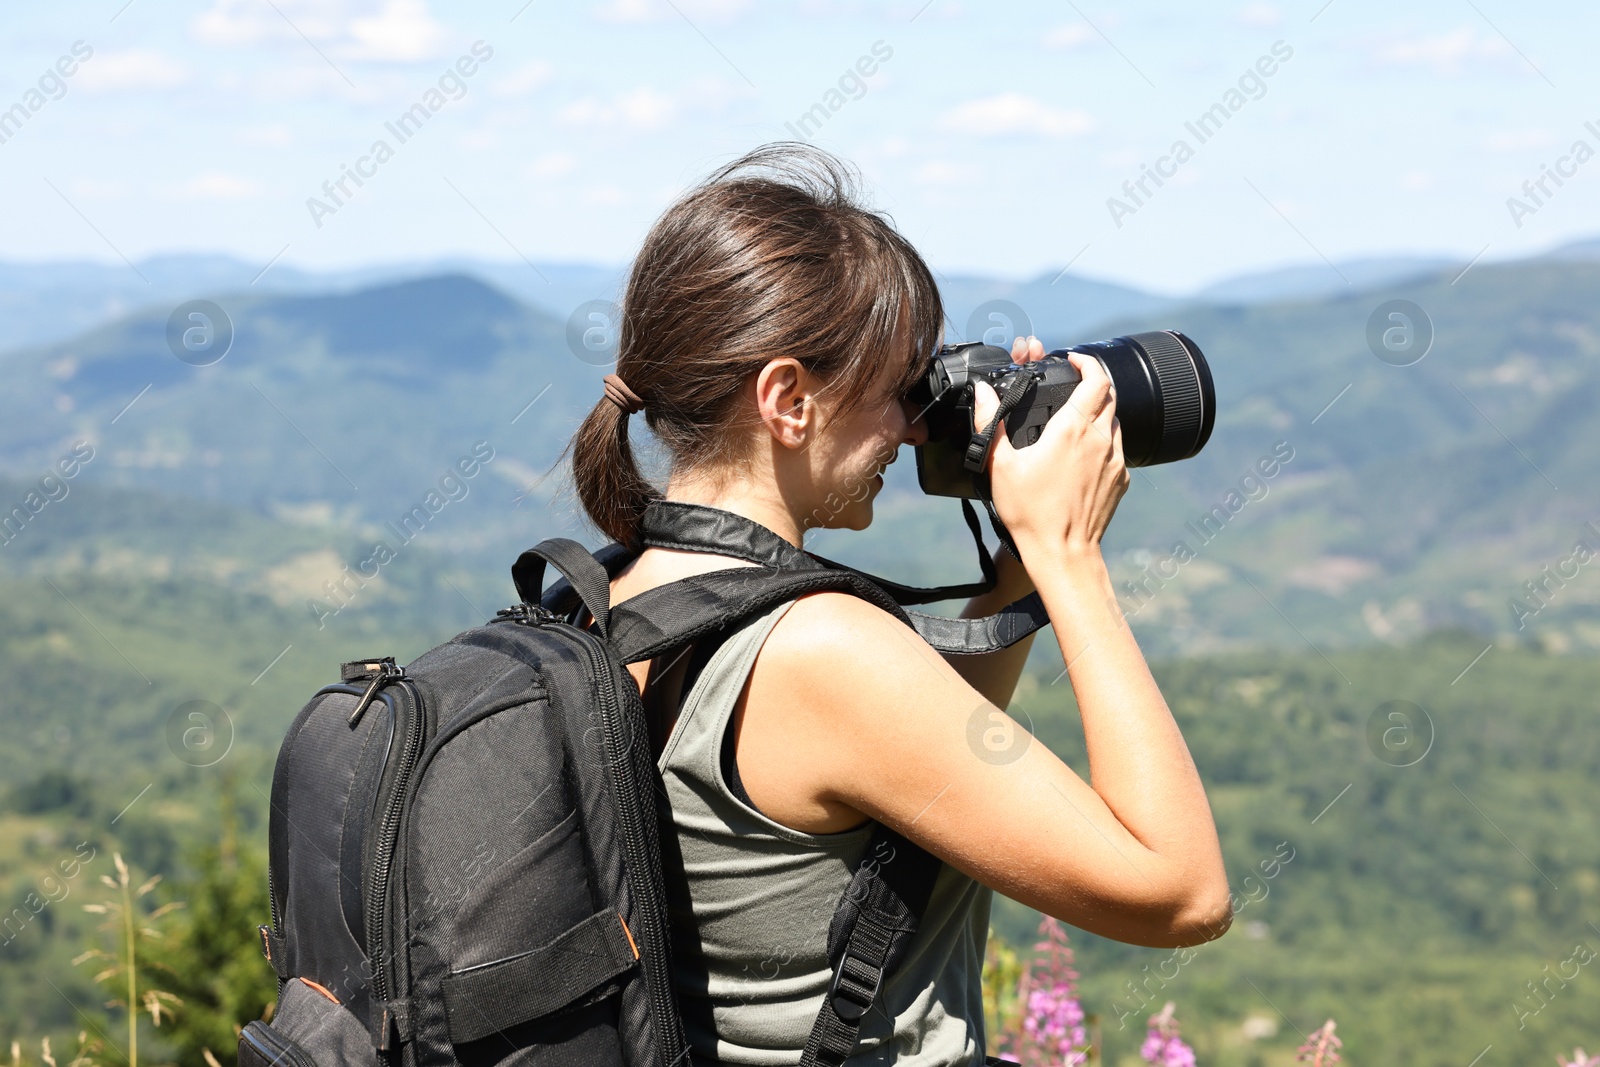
point(464, 862)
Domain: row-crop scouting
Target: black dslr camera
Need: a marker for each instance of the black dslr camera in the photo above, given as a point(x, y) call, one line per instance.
point(1165, 403)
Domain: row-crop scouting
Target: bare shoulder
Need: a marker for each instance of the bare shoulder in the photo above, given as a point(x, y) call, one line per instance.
point(835, 627)
point(833, 643)
point(840, 688)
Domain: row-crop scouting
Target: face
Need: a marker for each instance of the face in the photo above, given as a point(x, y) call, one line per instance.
point(850, 453)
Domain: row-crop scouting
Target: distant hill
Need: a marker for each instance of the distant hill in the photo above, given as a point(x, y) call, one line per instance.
point(357, 404)
point(1319, 279)
point(42, 303)
point(1403, 508)
point(1062, 309)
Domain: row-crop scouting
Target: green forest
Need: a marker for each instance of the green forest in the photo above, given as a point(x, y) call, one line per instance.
point(1419, 886)
point(1403, 765)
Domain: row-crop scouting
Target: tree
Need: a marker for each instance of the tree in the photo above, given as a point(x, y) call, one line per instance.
point(214, 958)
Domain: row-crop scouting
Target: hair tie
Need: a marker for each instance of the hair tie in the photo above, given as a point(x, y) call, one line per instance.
point(618, 393)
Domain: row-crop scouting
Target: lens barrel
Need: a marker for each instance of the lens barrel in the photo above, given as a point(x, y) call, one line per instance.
point(1166, 402)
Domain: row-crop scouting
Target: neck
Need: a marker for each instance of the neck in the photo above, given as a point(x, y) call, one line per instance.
point(751, 502)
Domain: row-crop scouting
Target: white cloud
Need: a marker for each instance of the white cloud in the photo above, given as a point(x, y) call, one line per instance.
point(376, 30)
point(641, 109)
point(402, 31)
point(1009, 113)
point(524, 80)
point(1259, 15)
point(1448, 53)
point(219, 185)
point(136, 68)
point(241, 23)
point(1417, 181)
point(637, 11)
point(1072, 35)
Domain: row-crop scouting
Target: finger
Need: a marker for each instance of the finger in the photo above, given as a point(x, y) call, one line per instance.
point(1035, 348)
point(1116, 448)
point(1019, 349)
point(985, 402)
point(1094, 390)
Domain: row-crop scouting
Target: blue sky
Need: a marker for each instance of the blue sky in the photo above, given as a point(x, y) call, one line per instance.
point(994, 133)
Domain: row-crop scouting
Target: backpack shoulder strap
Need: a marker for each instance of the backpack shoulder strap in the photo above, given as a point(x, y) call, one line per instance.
point(678, 613)
point(883, 905)
point(869, 935)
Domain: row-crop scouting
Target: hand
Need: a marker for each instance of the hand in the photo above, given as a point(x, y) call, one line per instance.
point(1060, 492)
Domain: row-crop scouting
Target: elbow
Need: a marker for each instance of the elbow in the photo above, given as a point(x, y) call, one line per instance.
point(1189, 917)
point(1204, 916)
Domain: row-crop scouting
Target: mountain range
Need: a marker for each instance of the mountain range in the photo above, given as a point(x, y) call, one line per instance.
point(1402, 498)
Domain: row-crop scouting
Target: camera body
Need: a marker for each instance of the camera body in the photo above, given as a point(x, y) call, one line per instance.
point(1165, 401)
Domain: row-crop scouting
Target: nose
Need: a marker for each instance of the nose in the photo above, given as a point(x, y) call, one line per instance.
point(916, 431)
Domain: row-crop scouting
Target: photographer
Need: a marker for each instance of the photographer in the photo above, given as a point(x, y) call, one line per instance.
point(770, 333)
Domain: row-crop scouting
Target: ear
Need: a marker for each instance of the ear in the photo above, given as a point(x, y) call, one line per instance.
point(786, 403)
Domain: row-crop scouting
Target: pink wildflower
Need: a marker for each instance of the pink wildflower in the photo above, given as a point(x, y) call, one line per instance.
point(1580, 1058)
point(1162, 1045)
point(1053, 1031)
point(1319, 1048)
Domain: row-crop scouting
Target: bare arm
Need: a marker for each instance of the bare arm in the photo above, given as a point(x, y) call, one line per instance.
point(995, 674)
point(850, 713)
point(883, 726)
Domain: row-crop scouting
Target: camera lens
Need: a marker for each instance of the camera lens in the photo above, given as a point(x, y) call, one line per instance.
point(1165, 399)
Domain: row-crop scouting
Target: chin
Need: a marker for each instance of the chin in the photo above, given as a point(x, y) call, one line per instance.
point(858, 516)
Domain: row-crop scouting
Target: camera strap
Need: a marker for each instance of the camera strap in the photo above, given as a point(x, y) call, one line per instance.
point(977, 457)
point(696, 528)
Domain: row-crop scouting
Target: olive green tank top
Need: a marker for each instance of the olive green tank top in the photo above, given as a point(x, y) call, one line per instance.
point(751, 902)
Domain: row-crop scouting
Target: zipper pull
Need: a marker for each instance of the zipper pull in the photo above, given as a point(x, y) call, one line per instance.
point(387, 672)
point(527, 614)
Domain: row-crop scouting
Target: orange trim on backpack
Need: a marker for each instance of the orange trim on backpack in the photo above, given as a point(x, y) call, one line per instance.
point(629, 932)
point(320, 989)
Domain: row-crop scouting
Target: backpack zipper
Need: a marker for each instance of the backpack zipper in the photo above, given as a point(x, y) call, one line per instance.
point(274, 1047)
point(386, 672)
point(411, 717)
point(653, 932)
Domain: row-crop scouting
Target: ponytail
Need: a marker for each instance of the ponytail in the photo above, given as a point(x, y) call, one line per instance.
point(610, 486)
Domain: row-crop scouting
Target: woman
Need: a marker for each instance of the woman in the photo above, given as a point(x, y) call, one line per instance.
point(770, 329)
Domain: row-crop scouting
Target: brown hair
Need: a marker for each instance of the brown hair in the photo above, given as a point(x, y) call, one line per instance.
point(771, 256)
